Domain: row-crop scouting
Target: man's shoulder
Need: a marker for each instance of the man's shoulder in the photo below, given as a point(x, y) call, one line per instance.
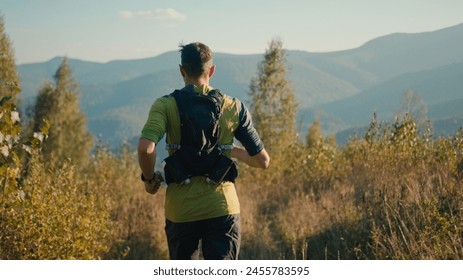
point(164, 102)
point(231, 102)
point(170, 95)
point(227, 97)
point(166, 98)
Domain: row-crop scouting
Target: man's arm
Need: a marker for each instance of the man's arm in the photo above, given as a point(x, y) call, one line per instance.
point(253, 153)
point(147, 161)
point(260, 160)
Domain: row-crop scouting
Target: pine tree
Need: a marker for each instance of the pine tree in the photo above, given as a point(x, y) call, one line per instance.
point(414, 106)
point(58, 103)
point(10, 126)
point(314, 135)
point(273, 102)
point(9, 78)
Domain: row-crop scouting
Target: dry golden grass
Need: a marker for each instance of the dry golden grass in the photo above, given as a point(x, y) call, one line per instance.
point(397, 195)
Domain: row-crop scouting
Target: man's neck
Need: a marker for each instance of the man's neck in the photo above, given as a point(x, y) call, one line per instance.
point(199, 89)
point(197, 82)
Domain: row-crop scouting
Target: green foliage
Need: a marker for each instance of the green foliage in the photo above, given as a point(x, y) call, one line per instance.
point(138, 230)
point(10, 127)
point(10, 130)
point(45, 214)
point(68, 211)
point(394, 194)
point(273, 102)
point(50, 217)
point(101, 211)
point(413, 105)
point(314, 134)
point(57, 103)
point(9, 79)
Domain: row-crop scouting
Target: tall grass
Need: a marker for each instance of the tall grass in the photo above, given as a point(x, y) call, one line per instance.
point(97, 212)
point(395, 193)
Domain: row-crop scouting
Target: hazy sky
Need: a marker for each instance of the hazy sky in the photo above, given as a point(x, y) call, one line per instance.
point(104, 30)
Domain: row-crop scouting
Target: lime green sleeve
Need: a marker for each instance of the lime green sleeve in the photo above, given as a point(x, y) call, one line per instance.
point(155, 126)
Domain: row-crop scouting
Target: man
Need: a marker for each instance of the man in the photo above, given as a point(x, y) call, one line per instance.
point(197, 208)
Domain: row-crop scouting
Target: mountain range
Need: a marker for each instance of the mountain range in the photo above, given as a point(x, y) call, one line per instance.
point(343, 89)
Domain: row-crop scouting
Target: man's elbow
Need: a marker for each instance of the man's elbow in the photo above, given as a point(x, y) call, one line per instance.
point(263, 159)
point(145, 147)
point(265, 163)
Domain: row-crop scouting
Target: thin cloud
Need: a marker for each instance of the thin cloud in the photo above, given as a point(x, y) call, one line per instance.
point(126, 14)
point(168, 14)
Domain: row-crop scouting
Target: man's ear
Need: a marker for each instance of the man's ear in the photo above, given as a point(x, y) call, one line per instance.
point(211, 71)
point(182, 71)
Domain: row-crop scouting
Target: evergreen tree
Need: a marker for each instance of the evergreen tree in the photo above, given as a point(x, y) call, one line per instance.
point(9, 78)
point(414, 106)
point(58, 103)
point(314, 135)
point(10, 127)
point(273, 102)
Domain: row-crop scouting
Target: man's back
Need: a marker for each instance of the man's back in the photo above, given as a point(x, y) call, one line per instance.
point(199, 199)
point(199, 208)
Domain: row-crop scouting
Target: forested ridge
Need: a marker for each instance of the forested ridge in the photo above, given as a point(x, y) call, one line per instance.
point(394, 192)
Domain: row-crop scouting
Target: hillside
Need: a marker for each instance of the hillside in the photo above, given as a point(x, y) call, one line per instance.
point(342, 88)
point(439, 88)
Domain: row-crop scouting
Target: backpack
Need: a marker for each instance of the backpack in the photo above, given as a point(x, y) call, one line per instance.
point(199, 152)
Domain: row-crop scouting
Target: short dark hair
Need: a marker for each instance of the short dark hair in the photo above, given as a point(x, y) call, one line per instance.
point(196, 59)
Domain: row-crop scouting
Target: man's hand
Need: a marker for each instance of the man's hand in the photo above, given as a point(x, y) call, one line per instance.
point(152, 186)
point(260, 160)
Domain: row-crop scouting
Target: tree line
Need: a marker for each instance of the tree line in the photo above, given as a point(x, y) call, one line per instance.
point(393, 193)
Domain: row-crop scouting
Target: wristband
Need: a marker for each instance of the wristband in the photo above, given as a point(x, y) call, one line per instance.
point(150, 181)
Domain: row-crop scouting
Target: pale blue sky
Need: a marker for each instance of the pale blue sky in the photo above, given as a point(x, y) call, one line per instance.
point(104, 30)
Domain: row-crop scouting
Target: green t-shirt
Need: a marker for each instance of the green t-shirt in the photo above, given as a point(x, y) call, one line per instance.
point(199, 199)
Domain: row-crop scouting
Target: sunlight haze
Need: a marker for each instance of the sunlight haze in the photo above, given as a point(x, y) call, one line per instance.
point(106, 30)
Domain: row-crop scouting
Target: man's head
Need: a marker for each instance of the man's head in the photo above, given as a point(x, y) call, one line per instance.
point(196, 59)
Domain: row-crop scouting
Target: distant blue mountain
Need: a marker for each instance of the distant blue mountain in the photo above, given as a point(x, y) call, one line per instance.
point(342, 88)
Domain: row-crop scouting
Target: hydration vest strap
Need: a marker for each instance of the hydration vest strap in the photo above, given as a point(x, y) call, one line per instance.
point(173, 146)
point(178, 146)
point(225, 147)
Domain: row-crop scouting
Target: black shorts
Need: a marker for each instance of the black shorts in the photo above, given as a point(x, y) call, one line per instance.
point(219, 238)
